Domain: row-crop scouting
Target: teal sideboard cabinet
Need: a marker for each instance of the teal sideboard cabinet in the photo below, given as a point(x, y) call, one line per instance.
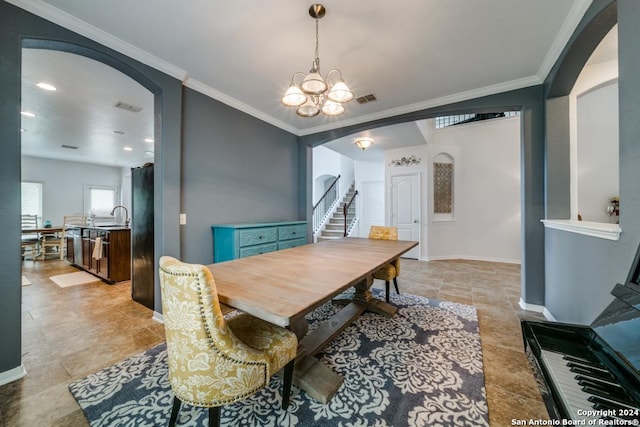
point(231, 241)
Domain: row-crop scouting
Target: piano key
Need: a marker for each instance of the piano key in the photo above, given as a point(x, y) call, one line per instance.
point(591, 368)
point(605, 387)
point(582, 361)
point(574, 399)
point(611, 402)
point(592, 373)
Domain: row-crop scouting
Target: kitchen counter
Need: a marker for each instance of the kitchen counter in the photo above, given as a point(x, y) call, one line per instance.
point(112, 262)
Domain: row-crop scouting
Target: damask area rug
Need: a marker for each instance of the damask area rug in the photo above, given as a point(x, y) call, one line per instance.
point(423, 367)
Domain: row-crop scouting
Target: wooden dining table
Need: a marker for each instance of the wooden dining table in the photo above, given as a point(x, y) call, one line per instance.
point(43, 230)
point(282, 287)
point(38, 232)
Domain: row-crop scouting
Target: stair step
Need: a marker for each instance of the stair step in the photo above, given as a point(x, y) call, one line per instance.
point(329, 233)
point(320, 238)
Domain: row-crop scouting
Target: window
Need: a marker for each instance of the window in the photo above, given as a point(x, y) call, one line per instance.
point(442, 188)
point(100, 200)
point(31, 198)
point(445, 121)
point(443, 182)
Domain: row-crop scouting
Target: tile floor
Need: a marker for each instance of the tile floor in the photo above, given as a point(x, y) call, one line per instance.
point(68, 333)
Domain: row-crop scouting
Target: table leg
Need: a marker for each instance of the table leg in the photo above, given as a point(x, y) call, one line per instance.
point(311, 375)
point(363, 295)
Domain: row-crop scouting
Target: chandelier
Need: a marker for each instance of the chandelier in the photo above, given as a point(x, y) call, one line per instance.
point(313, 93)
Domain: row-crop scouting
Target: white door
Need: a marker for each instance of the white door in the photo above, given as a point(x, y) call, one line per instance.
point(405, 209)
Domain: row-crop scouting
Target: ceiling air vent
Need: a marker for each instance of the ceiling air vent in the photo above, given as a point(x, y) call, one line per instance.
point(70, 147)
point(366, 99)
point(128, 107)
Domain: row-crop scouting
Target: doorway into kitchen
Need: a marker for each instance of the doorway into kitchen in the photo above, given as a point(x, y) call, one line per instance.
point(85, 125)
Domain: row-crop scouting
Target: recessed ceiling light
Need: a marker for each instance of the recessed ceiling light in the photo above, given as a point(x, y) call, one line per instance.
point(27, 113)
point(148, 140)
point(46, 86)
point(128, 149)
point(22, 130)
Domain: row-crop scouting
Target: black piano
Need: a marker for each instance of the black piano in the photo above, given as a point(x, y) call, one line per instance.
point(591, 374)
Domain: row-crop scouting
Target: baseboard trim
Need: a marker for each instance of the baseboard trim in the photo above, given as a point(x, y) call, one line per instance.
point(471, 258)
point(531, 307)
point(158, 317)
point(547, 315)
point(12, 375)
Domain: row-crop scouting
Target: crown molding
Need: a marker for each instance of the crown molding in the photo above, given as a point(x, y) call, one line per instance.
point(76, 25)
point(46, 11)
point(449, 99)
point(577, 11)
point(238, 105)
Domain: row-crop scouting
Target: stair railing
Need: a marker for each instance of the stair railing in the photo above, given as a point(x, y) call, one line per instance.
point(323, 206)
point(349, 211)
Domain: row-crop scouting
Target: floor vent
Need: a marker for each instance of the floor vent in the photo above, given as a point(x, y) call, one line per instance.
point(366, 99)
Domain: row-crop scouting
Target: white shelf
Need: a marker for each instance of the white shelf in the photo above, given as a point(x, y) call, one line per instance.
point(600, 230)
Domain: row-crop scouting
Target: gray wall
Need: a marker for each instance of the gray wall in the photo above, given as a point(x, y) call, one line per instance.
point(581, 271)
point(20, 29)
point(236, 169)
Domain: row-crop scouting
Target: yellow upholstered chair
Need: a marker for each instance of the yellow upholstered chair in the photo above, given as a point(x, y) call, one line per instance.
point(213, 361)
point(29, 240)
point(392, 270)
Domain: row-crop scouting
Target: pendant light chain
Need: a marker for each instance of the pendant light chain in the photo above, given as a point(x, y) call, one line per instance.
point(317, 59)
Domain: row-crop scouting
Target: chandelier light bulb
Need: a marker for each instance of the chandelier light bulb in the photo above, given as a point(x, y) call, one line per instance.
point(308, 109)
point(313, 84)
point(331, 108)
point(340, 92)
point(293, 97)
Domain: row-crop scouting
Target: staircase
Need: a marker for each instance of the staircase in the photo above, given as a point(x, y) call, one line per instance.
point(334, 228)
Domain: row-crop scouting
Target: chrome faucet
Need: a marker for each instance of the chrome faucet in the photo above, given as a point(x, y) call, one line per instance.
point(126, 214)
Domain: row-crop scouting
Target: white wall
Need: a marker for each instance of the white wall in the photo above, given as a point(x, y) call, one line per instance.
point(486, 223)
point(369, 179)
point(64, 183)
point(593, 105)
point(598, 170)
point(328, 162)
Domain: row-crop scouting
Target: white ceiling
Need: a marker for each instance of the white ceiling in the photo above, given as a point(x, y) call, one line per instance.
point(412, 54)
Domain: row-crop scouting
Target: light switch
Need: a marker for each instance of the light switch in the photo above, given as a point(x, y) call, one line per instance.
point(183, 219)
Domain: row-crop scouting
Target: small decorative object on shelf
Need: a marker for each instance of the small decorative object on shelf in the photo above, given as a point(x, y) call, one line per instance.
point(613, 208)
point(406, 161)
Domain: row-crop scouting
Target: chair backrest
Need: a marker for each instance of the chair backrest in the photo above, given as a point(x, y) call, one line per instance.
point(29, 221)
point(207, 362)
point(74, 219)
point(383, 233)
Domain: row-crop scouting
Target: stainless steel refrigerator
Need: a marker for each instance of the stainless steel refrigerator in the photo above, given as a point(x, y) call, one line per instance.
point(142, 256)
